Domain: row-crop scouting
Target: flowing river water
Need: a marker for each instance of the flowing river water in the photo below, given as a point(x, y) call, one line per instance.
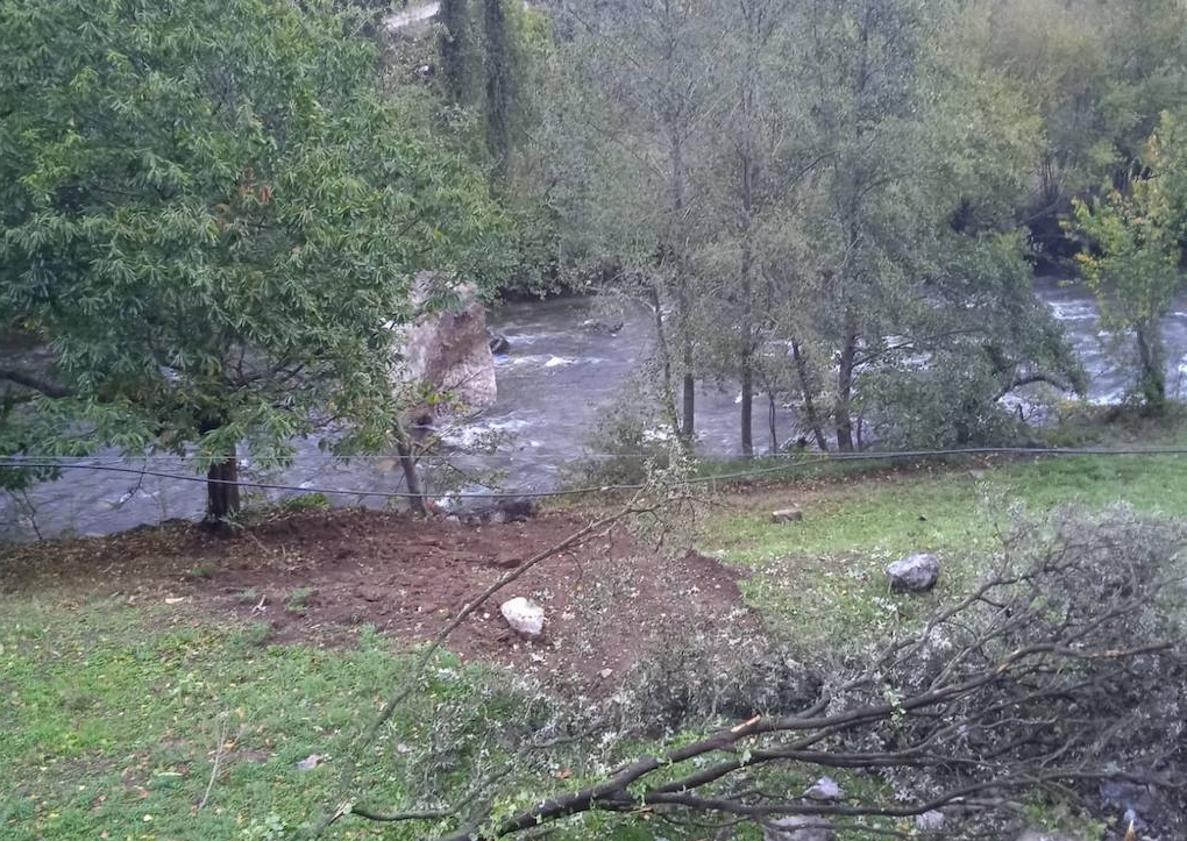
point(553, 384)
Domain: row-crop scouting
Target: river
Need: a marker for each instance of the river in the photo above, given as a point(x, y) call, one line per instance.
point(553, 383)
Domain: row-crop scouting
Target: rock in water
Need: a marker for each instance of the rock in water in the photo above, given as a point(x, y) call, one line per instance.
point(799, 828)
point(914, 574)
point(498, 342)
point(826, 790)
point(524, 616)
point(447, 351)
point(787, 515)
point(601, 328)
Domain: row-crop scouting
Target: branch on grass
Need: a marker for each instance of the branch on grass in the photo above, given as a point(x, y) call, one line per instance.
point(348, 798)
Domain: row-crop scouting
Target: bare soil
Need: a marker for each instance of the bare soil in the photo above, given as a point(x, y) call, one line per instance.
point(315, 576)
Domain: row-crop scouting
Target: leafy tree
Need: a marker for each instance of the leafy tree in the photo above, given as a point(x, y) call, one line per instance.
point(212, 215)
point(1097, 73)
point(1133, 267)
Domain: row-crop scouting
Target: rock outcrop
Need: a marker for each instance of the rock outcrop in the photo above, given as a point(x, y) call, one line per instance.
point(447, 353)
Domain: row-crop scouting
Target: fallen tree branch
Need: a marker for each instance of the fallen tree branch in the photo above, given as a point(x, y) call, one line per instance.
point(348, 804)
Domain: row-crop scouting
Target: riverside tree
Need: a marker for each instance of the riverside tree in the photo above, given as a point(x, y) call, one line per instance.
point(211, 216)
point(1133, 264)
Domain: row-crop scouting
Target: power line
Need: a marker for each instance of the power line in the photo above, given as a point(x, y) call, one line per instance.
point(823, 458)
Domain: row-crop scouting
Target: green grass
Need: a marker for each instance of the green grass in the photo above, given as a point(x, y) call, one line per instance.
point(111, 714)
point(111, 719)
point(824, 579)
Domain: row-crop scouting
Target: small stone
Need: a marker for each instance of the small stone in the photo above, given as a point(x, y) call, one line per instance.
point(914, 574)
point(799, 828)
point(524, 616)
point(787, 515)
point(604, 674)
point(310, 762)
point(825, 789)
point(932, 821)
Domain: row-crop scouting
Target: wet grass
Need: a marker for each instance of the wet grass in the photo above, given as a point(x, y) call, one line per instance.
point(114, 716)
point(824, 579)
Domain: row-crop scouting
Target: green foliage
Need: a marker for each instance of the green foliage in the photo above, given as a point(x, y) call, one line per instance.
point(1134, 265)
point(210, 214)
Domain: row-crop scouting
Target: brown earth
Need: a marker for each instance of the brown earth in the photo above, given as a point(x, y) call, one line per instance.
point(315, 576)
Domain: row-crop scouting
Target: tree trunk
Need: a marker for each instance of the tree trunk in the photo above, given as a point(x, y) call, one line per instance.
point(454, 48)
point(498, 86)
point(772, 419)
point(416, 498)
point(687, 421)
point(661, 338)
point(222, 492)
point(841, 411)
point(808, 391)
point(1152, 368)
point(747, 405)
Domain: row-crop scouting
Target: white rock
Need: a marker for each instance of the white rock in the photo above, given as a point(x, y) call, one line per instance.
point(914, 574)
point(524, 616)
point(825, 789)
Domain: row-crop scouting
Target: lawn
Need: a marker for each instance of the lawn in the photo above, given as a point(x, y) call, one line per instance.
point(113, 717)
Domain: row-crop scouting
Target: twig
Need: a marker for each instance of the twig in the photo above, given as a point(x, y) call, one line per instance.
point(221, 736)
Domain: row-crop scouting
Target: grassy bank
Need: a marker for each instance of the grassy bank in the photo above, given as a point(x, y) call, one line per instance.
point(116, 709)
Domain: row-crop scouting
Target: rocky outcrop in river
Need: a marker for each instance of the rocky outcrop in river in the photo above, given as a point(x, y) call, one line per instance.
point(447, 354)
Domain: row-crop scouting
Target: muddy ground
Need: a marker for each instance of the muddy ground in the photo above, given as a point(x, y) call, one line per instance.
point(317, 576)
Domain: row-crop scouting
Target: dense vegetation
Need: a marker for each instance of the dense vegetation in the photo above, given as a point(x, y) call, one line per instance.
point(217, 217)
point(211, 218)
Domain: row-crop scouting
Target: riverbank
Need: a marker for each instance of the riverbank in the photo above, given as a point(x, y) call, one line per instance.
point(140, 668)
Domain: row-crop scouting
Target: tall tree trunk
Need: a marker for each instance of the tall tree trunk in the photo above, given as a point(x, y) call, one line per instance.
point(416, 498)
point(665, 353)
point(747, 405)
point(454, 48)
point(498, 86)
point(222, 492)
point(808, 392)
point(842, 409)
point(772, 422)
point(1152, 365)
point(746, 162)
point(687, 419)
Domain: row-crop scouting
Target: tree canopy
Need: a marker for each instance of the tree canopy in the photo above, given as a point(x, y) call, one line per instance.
point(213, 213)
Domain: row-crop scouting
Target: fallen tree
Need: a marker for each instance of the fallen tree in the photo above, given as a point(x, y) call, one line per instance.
point(1060, 670)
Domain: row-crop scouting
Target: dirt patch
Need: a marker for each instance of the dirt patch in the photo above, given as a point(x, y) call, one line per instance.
point(315, 576)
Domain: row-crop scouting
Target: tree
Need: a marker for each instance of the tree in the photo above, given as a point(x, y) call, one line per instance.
point(1134, 264)
point(455, 49)
point(631, 124)
point(212, 216)
point(499, 80)
point(1097, 73)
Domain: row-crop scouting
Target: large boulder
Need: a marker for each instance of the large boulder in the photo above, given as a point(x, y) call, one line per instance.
point(799, 828)
point(914, 574)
